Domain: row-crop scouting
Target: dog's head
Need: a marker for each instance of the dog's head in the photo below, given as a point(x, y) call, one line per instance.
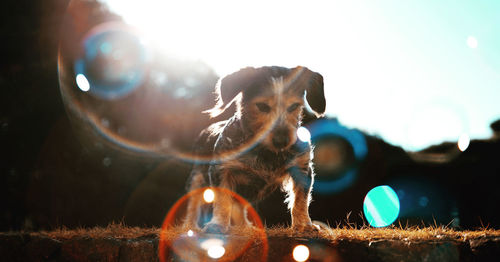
point(270, 101)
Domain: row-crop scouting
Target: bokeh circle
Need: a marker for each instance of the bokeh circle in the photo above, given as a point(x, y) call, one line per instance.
point(338, 151)
point(381, 206)
point(113, 60)
point(193, 244)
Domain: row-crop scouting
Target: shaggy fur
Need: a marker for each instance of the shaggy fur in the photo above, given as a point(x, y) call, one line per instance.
point(256, 151)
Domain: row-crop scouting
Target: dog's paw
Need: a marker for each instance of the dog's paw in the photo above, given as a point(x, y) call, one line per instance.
point(320, 225)
point(308, 228)
point(311, 228)
point(214, 228)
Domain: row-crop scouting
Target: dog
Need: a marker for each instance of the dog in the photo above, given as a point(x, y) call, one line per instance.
point(256, 151)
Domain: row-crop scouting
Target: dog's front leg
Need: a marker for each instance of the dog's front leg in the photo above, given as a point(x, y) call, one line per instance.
point(194, 202)
point(302, 182)
point(222, 206)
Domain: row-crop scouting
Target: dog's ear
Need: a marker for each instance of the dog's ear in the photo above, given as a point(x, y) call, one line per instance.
point(228, 87)
point(231, 85)
point(315, 94)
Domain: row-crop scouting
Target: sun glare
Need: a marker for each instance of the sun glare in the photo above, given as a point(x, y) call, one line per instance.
point(367, 55)
point(226, 34)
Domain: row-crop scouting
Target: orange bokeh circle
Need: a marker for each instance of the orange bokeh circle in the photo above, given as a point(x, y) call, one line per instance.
point(176, 240)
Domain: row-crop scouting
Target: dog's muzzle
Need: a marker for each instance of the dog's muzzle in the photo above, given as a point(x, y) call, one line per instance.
point(281, 138)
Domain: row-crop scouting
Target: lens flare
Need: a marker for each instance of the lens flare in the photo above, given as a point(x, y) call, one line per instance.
point(197, 245)
point(300, 253)
point(152, 100)
point(214, 247)
point(463, 142)
point(303, 134)
point(132, 86)
point(82, 82)
point(316, 250)
point(113, 60)
point(208, 195)
point(338, 152)
point(381, 206)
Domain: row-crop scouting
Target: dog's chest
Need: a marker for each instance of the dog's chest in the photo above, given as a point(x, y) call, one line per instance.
point(260, 177)
point(258, 171)
point(263, 172)
point(268, 162)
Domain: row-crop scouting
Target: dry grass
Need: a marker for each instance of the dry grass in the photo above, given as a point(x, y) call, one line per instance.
point(120, 231)
point(391, 233)
point(114, 230)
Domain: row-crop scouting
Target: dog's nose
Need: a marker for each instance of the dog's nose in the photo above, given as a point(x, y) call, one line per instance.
point(280, 138)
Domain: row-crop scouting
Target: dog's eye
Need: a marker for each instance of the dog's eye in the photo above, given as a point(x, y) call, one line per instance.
point(263, 107)
point(293, 107)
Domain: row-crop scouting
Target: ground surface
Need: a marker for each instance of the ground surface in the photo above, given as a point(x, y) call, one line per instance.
point(119, 243)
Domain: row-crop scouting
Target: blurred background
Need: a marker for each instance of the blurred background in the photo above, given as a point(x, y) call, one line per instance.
point(101, 101)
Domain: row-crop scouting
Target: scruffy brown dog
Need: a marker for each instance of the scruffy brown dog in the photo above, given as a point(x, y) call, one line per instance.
point(256, 151)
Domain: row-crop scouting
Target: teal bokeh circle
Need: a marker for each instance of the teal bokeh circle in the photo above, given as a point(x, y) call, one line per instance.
point(381, 206)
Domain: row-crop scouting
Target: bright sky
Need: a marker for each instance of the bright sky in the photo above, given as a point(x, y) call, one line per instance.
point(415, 73)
